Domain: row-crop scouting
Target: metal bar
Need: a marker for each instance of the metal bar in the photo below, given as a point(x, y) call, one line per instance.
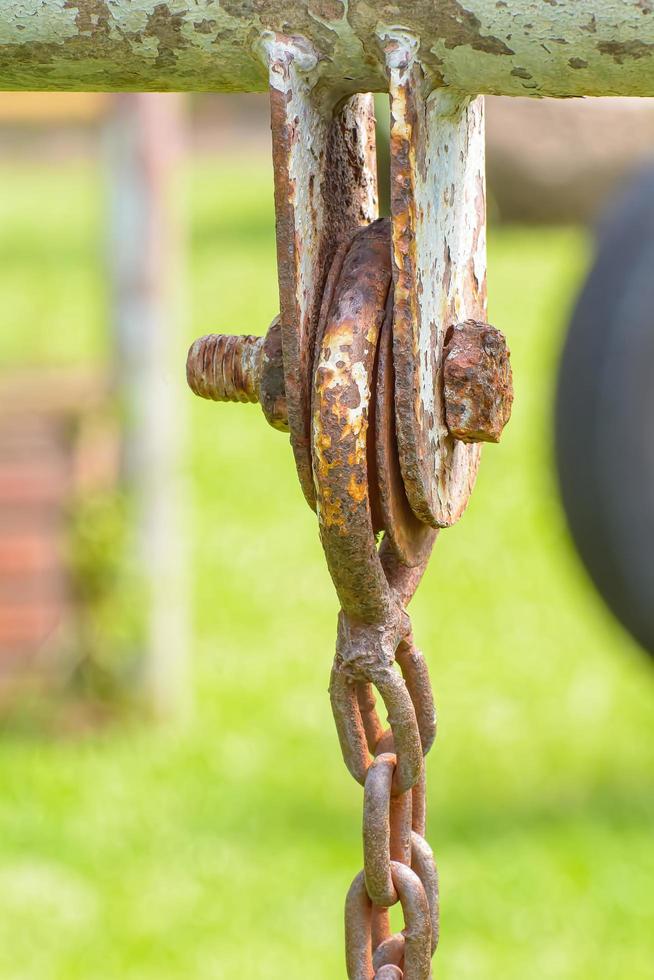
point(567, 48)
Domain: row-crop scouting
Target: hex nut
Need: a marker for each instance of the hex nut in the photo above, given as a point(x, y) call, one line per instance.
point(272, 388)
point(477, 382)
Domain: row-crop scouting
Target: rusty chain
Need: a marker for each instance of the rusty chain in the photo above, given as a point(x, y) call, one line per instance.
point(353, 444)
point(359, 494)
point(385, 391)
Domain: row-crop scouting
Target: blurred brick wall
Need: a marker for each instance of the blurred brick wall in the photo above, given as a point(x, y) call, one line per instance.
point(58, 445)
point(35, 485)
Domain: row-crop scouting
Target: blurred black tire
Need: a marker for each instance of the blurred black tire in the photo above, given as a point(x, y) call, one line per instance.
point(605, 413)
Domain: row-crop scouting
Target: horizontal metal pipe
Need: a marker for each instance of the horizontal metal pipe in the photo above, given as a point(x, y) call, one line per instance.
point(505, 47)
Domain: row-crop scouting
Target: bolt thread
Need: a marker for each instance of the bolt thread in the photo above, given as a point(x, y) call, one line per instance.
point(225, 368)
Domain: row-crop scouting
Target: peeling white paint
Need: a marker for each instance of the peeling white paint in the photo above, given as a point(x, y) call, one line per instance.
point(25, 21)
point(571, 48)
point(439, 255)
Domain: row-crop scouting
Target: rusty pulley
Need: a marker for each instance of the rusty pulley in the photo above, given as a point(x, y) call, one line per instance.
point(386, 392)
point(356, 467)
point(359, 493)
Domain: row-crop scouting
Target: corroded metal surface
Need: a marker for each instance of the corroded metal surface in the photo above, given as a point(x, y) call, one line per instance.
point(477, 382)
point(359, 493)
point(350, 416)
point(357, 359)
point(412, 540)
point(381, 443)
point(389, 972)
point(422, 862)
point(225, 368)
point(233, 368)
point(412, 946)
point(534, 47)
point(341, 402)
point(439, 267)
point(354, 460)
point(386, 830)
point(272, 386)
point(325, 188)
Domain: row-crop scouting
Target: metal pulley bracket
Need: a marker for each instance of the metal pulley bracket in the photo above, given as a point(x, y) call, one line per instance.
point(381, 368)
point(325, 189)
point(438, 207)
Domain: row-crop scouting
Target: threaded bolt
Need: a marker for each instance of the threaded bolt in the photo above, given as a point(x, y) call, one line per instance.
point(225, 367)
point(229, 368)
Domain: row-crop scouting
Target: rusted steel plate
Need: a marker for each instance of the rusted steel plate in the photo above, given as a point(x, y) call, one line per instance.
point(439, 268)
point(325, 189)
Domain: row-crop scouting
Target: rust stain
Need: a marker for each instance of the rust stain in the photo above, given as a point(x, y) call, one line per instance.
point(622, 51)
point(451, 22)
point(205, 26)
point(92, 15)
point(166, 27)
point(327, 9)
point(214, 45)
point(357, 489)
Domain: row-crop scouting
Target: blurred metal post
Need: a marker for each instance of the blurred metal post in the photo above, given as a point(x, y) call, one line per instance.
point(143, 139)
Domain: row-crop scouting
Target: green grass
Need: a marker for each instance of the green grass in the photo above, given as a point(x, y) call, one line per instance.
point(224, 848)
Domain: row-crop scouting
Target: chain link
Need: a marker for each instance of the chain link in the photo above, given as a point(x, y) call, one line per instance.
point(359, 492)
point(398, 864)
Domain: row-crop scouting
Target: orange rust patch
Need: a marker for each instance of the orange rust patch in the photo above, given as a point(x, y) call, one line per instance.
point(357, 491)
